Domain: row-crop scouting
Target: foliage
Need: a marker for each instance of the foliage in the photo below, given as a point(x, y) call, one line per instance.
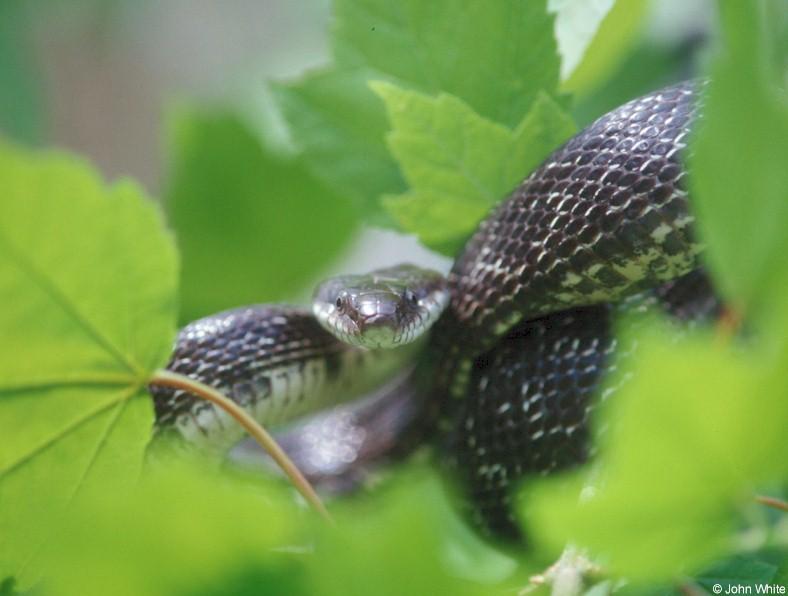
point(728, 221)
point(430, 113)
point(234, 204)
point(457, 163)
point(81, 335)
point(495, 57)
point(669, 484)
point(20, 101)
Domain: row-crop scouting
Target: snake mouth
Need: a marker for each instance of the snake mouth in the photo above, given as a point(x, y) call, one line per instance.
point(377, 331)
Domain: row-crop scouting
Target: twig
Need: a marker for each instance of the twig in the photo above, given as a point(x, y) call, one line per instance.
point(266, 441)
point(728, 324)
point(772, 502)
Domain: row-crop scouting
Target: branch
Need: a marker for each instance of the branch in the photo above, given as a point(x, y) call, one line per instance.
point(772, 502)
point(168, 378)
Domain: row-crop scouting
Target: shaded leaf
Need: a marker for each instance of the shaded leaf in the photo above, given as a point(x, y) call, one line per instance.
point(399, 541)
point(339, 124)
point(252, 227)
point(183, 530)
point(739, 177)
point(20, 96)
point(737, 571)
point(612, 43)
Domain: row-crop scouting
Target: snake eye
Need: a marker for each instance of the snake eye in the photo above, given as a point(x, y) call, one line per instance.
point(411, 297)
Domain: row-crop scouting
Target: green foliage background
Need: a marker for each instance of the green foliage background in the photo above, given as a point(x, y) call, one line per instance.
point(429, 113)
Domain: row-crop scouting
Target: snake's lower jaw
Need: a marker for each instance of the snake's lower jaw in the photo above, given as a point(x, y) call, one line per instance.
point(377, 332)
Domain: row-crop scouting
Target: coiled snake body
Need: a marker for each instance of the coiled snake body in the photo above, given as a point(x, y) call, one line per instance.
point(511, 366)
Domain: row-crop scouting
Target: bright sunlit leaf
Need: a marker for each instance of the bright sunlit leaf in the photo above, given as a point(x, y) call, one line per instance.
point(87, 282)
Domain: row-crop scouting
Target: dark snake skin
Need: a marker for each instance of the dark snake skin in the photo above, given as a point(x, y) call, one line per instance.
point(512, 367)
point(531, 400)
point(605, 216)
point(526, 340)
point(226, 350)
point(266, 358)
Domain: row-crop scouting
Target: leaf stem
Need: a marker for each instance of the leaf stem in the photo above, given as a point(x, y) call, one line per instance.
point(772, 502)
point(728, 324)
point(264, 439)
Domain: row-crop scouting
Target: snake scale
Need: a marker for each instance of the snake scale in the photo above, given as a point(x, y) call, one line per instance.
point(510, 371)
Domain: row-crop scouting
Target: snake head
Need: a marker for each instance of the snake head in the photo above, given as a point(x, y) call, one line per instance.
point(385, 308)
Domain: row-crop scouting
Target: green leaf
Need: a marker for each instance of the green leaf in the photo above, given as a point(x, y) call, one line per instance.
point(340, 125)
point(495, 56)
point(576, 24)
point(459, 164)
point(87, 280)
point(252, 227)
point(737, 571)
point(739, 178)
point(191, 531)
point(693, 432)
point(401, 541)
point(7, 587)
point(183, 530)
point(20, 96)
point(609, 46)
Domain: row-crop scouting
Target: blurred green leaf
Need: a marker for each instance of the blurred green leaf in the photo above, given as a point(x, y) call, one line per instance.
point(459, 164)
point(697, 427)
point(738, 166)
point(183, 530)
point(609, 46)
point(276, 575)
point(737, 571)
point(400, 541)
point(187, 530)
point(251, 226)
point(7, 587)
point(700, 424)
point(340, 125)
point(496, 57)
point(87, 282)
point(20, 97)
point(576, 24)
point(776, 36)
point(645, 68)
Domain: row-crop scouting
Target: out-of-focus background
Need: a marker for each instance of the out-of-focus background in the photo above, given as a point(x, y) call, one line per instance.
point(98, 77)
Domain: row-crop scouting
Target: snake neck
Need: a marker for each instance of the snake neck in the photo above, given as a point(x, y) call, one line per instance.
point(276, 362)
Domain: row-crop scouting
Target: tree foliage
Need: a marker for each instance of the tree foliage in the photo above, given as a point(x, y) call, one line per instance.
point(429, 114)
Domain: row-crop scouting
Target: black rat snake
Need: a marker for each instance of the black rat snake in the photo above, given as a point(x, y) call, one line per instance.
point(507, 377)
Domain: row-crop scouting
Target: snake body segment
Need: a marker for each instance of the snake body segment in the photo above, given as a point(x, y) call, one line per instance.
point(275, 361)
point(532, 401)
point(606, 215)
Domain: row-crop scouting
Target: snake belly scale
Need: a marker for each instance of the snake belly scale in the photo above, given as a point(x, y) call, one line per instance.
point(510, 369)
